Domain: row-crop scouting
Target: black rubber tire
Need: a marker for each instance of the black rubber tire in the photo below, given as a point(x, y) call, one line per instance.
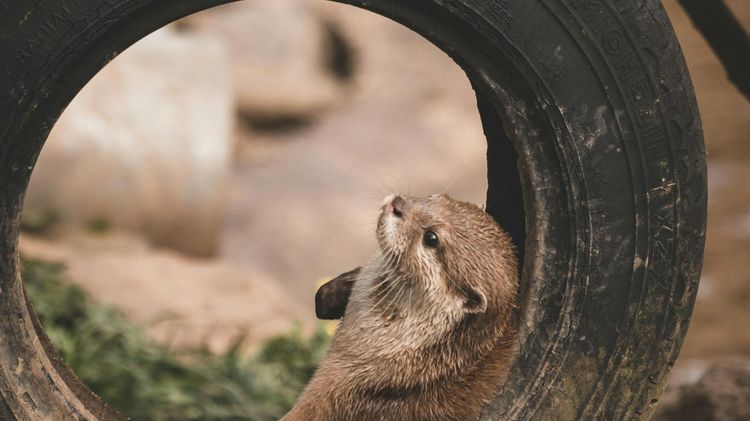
point(587, 104)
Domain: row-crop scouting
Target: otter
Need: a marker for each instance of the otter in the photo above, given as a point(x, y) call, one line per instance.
point(427, 331)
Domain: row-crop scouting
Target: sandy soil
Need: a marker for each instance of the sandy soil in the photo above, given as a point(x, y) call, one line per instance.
point(181, 301)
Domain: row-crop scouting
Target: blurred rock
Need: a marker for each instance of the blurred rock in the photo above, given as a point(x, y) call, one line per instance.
point(721, 394)
point(179, 300)
point(146, 145)
point(280, 53)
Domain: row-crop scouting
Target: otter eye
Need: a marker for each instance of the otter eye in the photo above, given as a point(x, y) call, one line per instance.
point(430, 239)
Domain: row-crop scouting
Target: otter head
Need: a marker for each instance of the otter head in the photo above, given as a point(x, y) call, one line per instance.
point(452, 254)
point(435, 253)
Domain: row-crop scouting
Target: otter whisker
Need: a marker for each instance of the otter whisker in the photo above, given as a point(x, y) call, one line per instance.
point(376, 286)
point(411, 289)
point(386, 270)
point(388, 289)
point(384, 278)
point(397, 298)
point(451, 182)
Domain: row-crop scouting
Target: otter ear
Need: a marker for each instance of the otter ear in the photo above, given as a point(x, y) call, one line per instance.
point(476, 301)
point(332, 298)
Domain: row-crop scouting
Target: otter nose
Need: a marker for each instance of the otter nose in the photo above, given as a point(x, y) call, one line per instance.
point(395, 205)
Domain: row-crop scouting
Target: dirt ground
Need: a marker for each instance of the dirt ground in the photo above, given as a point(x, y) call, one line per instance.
point(303, 202)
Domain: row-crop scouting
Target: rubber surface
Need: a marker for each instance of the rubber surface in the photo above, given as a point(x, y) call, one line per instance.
point(596, 166)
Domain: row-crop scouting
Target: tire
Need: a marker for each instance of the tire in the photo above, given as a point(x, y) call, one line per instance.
point(595, 165)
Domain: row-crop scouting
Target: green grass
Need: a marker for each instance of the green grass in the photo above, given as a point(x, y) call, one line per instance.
point(100, 225)
point(39, 221)
point(150, 381)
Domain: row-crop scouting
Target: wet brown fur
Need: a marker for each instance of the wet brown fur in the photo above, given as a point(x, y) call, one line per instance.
point(416, 341)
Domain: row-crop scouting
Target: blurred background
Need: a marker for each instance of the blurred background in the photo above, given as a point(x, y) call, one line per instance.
point(204, 183)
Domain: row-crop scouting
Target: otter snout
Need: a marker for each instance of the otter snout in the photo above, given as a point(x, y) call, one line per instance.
point(395, 205)
point(393, 215)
